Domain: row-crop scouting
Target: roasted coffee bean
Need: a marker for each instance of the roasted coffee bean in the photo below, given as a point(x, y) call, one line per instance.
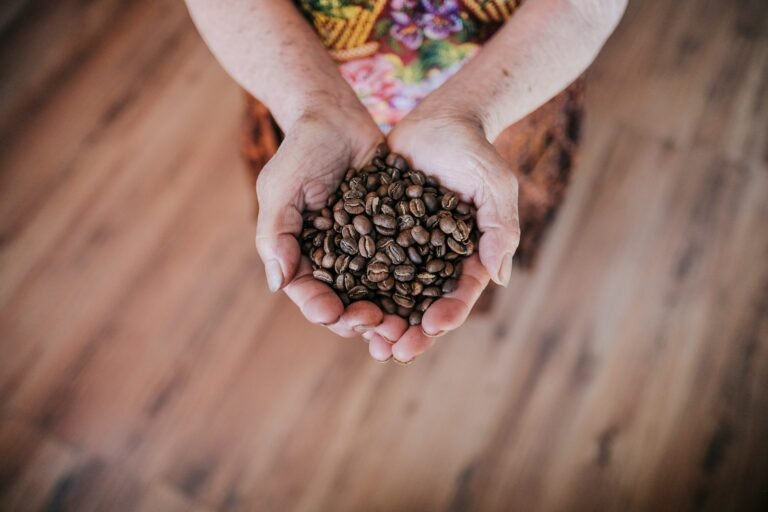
point(328, 260)
point(339, 283)
point(372, 205)
point(404, 272)
point(414, 191)
point(387, 284)
point(358, 292)
point(439, 251)
point(404, 312)
point(368, 283)
point(450, 285)
point(357, 264)
point(387, 209)
point(463, 209)
point(434, 266)
point(455, 246)
point(420, 235)
point(384, 221)
point(437, 238)
point(395, 253)
point(388, 305)
point(348, 245)
point(349, 280)
point(424, 304)
point(448, 270)
point(373, 181)
point(328, 243)
point(432, 221)
point(414, 318)
point(414, 256)
point(317, 256)
point(404, 239)
point(349, 231)
point(405, 222)
point(432, 291)
point(322, 223)
point(353, 194)
point(354, 206)
point(366, 246)
point(431, 201)
point(404, 300)
point(449, 201)
point(342, 263)
point(341, 217)
point(416, 288)
point(417, 208)
point(357, 183)
point(377, 272)
point(396, 190)
point(402, 288)
point(323, 275)
point(380, 256)
point(363, 224)
point(462, 231)
point(447, 224)
point(345, 299)
point(381, 151)
point(418, 178)
point(396, 161)
point(426, 277)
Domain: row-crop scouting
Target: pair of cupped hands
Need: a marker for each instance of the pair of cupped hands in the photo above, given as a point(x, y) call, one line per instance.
point(309, 165)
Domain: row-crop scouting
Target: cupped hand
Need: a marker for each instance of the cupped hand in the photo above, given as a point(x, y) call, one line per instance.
point(307, 167)
point(454, 148)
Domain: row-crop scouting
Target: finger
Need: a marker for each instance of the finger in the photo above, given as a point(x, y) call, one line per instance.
point(452, 310)
point(361, 316)
point(379, 348)
point(392, 328)
point(316, 300)
point(413, 343)
point(497, 219)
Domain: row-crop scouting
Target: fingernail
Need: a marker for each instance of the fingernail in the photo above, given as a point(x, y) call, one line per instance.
point(274, 275)
point(402, 363)
point(383, 361)
point(362, 328)
point(505, 271)
point(436, 335)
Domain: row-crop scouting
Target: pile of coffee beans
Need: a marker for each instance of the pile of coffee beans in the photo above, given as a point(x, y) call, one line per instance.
point(390, 235)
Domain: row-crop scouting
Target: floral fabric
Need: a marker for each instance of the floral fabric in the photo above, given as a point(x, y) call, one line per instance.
point(395, 52)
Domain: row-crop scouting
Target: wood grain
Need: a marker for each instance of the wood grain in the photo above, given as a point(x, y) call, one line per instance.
point(144, 365)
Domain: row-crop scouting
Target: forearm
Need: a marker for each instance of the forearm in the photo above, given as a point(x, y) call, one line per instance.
point(272, 52)
point(544, 47)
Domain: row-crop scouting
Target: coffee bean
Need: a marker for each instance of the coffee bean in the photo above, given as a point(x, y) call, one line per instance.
point(362, 224)
point(426, 277)
point(414, 191)
point(328, 260)
point(417, 208)
point(395, 253)
point(354, 206)
point(414, 256)
point(387, 209)
point(404, 312)
point(349, 231)
point(431, 201)
point(317, 256)
point(323, 223)
point(447, 224)
point(434, 266)
point(381, 151)
point(396, 190)
point(348, 245)
point(432, 221)
point(416, 288)
point(341, 217)
point(388, 305)
point(358, 292)
point(424, 304)
point(405, 222)
point(420, 235)
point(384, 221)
point(450, 285)
point(353, 194)
point(404, 272)
point(372, 205)
point(448, 270)
point(366, 246)
point(449, 201)
point(387, 284)
point(404, 300)
point(380, 256)
point(414, 318)
point(323, 275)
point(418, 178)
point(404, 239)
point(437, 238)
point(342, 263)
point(462, 231)
point(397, 161)
point(463, 209)
point(339, 283)
point(368, 283)
point(357, 264)
point(349, 280)
point(402, 288)
point(432, 291)
point(377, 272)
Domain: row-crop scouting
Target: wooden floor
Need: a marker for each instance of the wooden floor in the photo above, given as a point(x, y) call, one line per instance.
point(144, 365)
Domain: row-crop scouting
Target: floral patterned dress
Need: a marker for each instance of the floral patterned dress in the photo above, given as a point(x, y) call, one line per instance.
point(395, 52)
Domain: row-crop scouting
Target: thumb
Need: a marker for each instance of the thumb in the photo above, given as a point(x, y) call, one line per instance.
point(498, 221)
point(278, 223)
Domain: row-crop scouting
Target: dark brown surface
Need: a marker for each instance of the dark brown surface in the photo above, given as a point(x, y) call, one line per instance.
point(144, 366)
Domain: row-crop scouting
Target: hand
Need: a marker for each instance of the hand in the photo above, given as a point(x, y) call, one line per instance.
point(308, 166)
point(454, 148)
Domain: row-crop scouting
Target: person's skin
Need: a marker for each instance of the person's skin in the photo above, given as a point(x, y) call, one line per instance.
point(275, 55)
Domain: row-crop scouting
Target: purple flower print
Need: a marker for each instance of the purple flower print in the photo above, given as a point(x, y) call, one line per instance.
point(405, 29)
point(440, 19)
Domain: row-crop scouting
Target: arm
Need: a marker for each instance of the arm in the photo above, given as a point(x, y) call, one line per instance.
point(272, 52)
point(544, 47)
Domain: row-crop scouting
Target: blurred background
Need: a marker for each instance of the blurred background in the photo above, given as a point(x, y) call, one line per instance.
point(144, 366)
